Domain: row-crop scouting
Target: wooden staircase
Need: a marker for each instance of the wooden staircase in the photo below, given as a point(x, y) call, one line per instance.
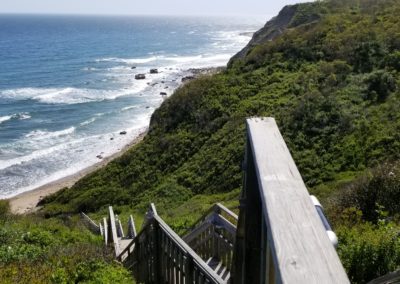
point(158, 255)
point(281, 235)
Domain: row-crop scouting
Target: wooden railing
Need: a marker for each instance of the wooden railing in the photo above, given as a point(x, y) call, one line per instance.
point(213, 236)
point(280, 237)
point(159, 255)
point(91, 225)
point(111, 230)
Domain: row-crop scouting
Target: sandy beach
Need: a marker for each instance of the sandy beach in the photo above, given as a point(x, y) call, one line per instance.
point(26, 202)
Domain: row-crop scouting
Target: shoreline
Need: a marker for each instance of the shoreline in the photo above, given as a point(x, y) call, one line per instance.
point(26, 202)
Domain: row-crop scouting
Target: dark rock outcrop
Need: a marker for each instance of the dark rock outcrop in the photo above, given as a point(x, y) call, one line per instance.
point(187, 78)
point(140, 76)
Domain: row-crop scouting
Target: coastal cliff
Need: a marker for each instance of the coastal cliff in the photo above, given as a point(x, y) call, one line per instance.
point(289, 17)
point(329, 72)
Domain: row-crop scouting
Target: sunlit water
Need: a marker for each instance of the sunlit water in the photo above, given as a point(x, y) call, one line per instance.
point(67, 85)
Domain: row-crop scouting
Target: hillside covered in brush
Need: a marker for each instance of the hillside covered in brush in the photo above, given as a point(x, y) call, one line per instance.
point(329, 72)
point(330, 79)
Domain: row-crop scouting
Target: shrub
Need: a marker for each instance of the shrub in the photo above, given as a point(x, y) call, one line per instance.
point(369, 251)
point(393, 60)
point(380, 84)
point(4, 209)
point(374, 192)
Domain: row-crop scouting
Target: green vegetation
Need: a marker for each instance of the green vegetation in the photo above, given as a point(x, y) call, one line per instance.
point(56, 250)
point(331, 80)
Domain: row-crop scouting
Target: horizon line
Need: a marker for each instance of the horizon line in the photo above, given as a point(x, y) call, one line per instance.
point(267, 16)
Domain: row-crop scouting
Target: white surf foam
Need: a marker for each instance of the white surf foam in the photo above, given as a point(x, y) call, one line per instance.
point(19, 116)
point(129, 107)
point(70, 153)
point(81, 158)
point(32, 156)
point(5, 118)
point(128, 60)
point(23, 115)
point(89, 121)
point(43, 134)
point(64, 95)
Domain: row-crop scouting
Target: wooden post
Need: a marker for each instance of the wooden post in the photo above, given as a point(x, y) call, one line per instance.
point(300, 250)
point(105, 230)
point(131, 228)
point(251, 259)
point(113, 231)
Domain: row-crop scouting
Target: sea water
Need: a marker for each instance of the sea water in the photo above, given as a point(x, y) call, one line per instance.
point(68, 87)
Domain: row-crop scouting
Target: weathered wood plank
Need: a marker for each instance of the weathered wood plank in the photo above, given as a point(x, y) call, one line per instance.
point(223, 222)
point(198, 230)
point(90, 224)
point(179, 243)
point(105, 228)
point(113, 236)
point(131, 228)
point(300, 248)
point(120, 230)
point(227, 211)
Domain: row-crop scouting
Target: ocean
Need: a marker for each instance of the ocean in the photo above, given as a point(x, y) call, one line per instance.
point(68, 87)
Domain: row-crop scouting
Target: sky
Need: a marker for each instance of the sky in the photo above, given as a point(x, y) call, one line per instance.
point(147, 7)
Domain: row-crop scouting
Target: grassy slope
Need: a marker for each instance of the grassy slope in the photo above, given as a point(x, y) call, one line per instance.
point(331, 81)
point(56, 250)
point(331, 85)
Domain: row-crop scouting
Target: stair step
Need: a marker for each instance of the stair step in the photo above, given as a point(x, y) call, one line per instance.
point(226, 275)
point(213, 262)
point(218, 267)
point(221, 271)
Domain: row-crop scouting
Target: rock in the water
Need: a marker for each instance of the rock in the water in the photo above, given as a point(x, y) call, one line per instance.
point(112, 138)
point(154, 71)
point(122, 133)
point(140, 76)
point(163, 94)
point(187, 78)
point(133, 67)
point(99, 157)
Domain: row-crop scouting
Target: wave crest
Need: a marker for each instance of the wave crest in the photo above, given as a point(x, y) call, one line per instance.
point(43, 134)
point(63, 95)
point(19, 116)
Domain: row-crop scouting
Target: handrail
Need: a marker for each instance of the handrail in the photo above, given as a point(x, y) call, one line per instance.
point(188, 250)
point(189, 254)
point(131, 228)
point(215, 208)
point(280, 238)
point(227, 211)
point(157, 253)
point(93, 227)
point(129, 248)
point(106, 233)
point(113, 228)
